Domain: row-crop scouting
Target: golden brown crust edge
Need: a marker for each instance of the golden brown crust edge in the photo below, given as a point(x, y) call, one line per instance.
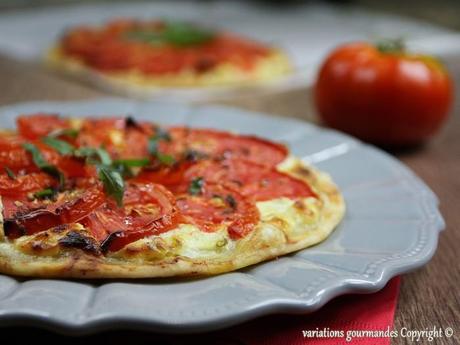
point(254, 248)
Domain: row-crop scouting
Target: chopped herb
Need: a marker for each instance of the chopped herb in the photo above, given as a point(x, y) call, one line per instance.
point(69, 132)
point(196, 186)
point(231, 201)
point(139, 162)
point(175, 33)
point(114, 185)
point(42, 164)
point(104, 156)
point(153, 147)
point(154, 140)
point(61, 146)
point(166, 159)
point(123, 166)
point(110, 173)
point(10, 173)
point(123, 170)
point(94, 156)
point(47, 193)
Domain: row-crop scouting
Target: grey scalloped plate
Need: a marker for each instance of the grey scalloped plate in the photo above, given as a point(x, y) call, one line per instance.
point(391, 227)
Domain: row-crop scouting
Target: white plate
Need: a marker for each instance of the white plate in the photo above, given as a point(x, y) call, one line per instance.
point(391, 227)
point(306, 31)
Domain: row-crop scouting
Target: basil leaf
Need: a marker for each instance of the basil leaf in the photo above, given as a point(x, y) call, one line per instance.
point(114, 185)
point(185, 34)
point(176, 33)
point(136, 162)
point(103, 156)
point(42, 164)
point(61, 146)
point(153, 147)
point(94, 155)
point(196, 185)
point(10, 173)
point(46, 193)
point(123, 166)
point(69, 132)
point(125, 171)
point(165, 159)
point(154, 140)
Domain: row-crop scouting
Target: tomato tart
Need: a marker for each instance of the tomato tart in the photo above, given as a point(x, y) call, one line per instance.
point(133, 55)
point(120, 198)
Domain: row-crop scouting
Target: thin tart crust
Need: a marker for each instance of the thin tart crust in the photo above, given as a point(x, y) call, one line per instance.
point(285, 226)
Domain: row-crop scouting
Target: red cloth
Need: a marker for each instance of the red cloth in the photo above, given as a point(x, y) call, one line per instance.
point(346, 313)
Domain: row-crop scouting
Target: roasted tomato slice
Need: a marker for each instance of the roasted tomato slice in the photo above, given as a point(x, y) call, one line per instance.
point(121, 137)
point(13, 155)
point(107, 49)
point(35, 126)
point(21, 185)
point(17, 159)
point(255, 181)
point(223, 144)
point(26, 218)
point(72, 167)
point(147, 209)
point(212, 205)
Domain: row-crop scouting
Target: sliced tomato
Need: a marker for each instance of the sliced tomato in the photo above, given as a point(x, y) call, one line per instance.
point(13, 155)
point(147, 209)
point(223, 144)
point(36, 126)
point(172, 177)
point(26, 218)
point(21, 185)
point(72, 167)
point(107, 49)
point(256, 181)
point(121, 137)
point(216, 205)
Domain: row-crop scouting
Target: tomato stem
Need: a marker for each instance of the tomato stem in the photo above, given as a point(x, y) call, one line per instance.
point(391, 46)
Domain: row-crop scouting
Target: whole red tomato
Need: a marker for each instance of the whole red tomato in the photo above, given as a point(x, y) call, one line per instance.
point(382, 94)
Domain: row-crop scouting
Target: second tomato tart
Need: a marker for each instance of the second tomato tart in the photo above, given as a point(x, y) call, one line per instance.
point(133, 55)
point(118, 198)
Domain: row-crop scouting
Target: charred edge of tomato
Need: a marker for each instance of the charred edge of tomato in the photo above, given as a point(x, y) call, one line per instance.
point(13, 229)
point(193, 156)
point(130, 122)
point(105, 245)
point(74, 239)
point(16, 225)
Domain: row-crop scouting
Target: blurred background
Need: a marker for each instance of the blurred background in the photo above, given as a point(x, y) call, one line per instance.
point(306, 30)
point(442, 12)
